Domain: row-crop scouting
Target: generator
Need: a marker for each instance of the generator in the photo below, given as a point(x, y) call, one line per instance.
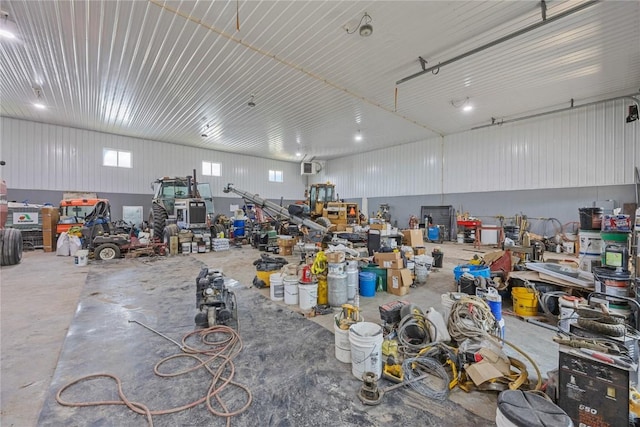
point(217, 305)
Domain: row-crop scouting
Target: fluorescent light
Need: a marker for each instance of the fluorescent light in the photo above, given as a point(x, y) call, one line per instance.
point(8, 28)
point(358, 137)
point(467, 108)
point(40, 106)
point(7, 34)
point(298, 154)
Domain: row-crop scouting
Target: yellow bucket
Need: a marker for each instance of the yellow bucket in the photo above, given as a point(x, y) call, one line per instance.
point(525, 301)
point(264, 276)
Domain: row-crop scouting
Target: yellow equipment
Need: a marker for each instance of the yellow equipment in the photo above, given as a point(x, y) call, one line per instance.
point(350, 314)
point(393, 370)
point(322, 201)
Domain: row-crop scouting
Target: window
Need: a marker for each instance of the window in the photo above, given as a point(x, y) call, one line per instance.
point(115, 158)
point(275, 176)
point(210, 169)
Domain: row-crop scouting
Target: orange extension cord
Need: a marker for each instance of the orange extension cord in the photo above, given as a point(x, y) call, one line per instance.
point(224, 350)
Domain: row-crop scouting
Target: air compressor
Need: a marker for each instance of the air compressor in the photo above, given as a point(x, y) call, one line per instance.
point(216, 303)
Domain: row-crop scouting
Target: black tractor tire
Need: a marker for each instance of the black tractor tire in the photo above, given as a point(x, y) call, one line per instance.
point(158, 220)
point(201, 320)
point(11, 249)
point(107, 251)
point(325, 222)
point(169, 230)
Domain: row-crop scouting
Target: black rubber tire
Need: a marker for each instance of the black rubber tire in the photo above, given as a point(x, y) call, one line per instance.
point(158, 220)
point(614, 330)
point(201, 320)
point(107, 251)
point(169, 230)
point(11, 250)
point(1, 247)
point(325, 222)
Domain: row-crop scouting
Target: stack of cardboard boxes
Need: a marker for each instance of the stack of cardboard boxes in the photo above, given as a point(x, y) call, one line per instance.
point(286, 244)
point(398, 278)
point(50, 216)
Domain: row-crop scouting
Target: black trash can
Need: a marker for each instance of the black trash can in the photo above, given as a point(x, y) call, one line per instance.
point(437, 259)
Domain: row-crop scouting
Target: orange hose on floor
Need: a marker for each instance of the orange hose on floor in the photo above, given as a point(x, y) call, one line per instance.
point(221, 351)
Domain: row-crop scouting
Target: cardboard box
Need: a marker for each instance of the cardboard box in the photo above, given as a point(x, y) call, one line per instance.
point(419, 250)
point(378, 226)
point(285, 250)
point(335, 257)
point(50, 217)
point(413, 237)
point(388, 259)
point(398, 281)
point(283, 242)
point(616, 223)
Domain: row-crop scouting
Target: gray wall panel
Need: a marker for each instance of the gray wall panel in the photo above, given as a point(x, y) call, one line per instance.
point(561, 203)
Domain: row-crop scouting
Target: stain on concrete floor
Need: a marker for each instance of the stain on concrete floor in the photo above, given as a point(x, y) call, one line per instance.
point(287, 361)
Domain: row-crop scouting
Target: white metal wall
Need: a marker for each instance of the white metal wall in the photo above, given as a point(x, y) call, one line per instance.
point(414, 168)
point(590, 146)
point(49, 157)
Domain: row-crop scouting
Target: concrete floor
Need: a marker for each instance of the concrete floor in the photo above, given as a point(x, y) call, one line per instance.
point(38, 299)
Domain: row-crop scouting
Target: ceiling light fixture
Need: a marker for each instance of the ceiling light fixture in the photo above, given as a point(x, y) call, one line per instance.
point(8, 28)
point(204, 131)
point(358, 136)
point(37, 91)
point(462, 103)
point(298, 154)
point(365, 29)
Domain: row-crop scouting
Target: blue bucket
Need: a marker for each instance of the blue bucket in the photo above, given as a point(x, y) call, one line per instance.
point(474, 270)
point(367, 284)
point(238, 227)
point(433, 234)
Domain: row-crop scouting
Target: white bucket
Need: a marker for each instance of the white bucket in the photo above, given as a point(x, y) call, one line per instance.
point(81, 257)
point(618, 291)
point(194, 247)
point(352, 284)
point(366, 349)
point(343, 346)
point(291, 290)
point(186, 247)
point(590, 243)
point(335, 268)
point(460, 237)
point(276, 287)
point(308, 295)
point(587, 262)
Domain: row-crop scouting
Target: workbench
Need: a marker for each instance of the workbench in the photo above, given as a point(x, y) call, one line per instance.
point(469, 227)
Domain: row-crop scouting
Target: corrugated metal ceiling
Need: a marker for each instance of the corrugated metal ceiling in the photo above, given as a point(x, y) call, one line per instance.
point(174, 70)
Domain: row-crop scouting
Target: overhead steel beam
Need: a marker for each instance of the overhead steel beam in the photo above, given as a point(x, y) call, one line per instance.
point(494, 122)
point(545, 20)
